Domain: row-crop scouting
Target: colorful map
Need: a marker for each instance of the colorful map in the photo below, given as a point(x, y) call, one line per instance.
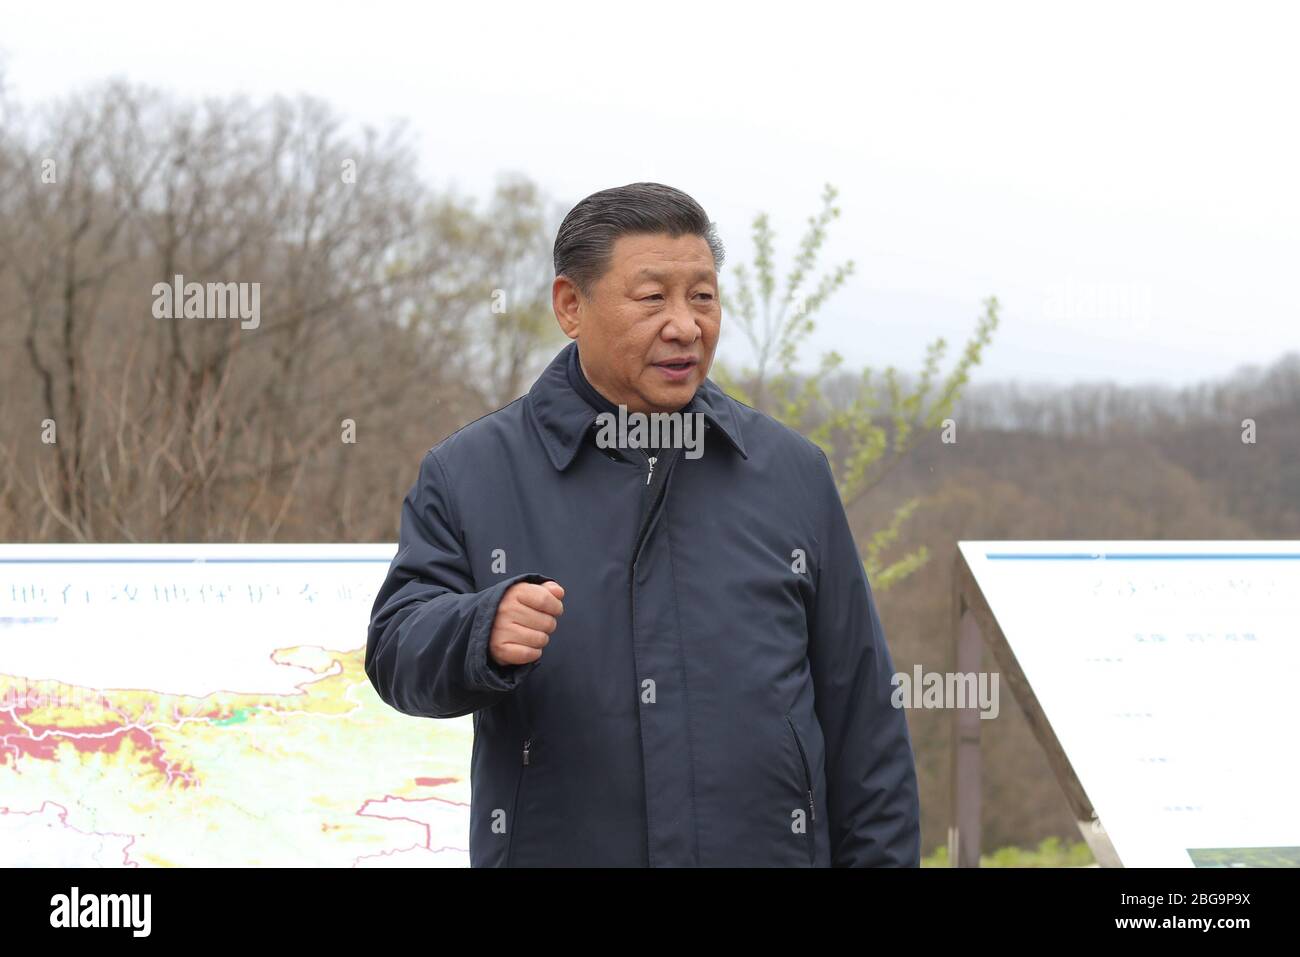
point(208, 706)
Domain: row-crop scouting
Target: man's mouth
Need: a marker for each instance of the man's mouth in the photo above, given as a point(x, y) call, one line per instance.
point(676, 369)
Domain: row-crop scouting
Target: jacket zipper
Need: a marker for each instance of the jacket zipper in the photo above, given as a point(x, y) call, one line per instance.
point(651, 513)
point(807, 776)
point(648, 518)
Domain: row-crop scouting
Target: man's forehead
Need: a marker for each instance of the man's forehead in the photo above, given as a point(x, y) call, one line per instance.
point(673, 271)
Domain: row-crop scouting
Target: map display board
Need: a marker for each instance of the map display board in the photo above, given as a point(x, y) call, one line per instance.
point(1170, 675)
point(208, 705)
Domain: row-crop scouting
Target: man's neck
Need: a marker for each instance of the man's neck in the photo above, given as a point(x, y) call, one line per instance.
point(586, 377)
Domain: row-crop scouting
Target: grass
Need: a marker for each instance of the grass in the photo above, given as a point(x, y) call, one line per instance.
point(1051, 852)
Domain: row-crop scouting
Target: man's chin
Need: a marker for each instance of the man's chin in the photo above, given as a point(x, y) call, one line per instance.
point(672, 399)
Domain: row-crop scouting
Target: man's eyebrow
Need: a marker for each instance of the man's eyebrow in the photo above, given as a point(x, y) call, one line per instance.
point(646, 272)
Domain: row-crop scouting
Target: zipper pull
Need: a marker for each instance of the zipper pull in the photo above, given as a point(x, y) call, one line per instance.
point(527, 744)
point(651, 459)
point(812, 808)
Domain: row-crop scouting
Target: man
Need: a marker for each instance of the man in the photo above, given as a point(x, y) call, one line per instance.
point(672, 656)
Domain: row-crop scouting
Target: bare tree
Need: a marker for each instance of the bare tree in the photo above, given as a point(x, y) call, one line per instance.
point(370, 290)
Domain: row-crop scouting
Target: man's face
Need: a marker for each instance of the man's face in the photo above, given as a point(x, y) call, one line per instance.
point(647, 334)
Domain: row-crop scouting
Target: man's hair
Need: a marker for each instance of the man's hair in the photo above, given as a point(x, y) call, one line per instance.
point(585, 241)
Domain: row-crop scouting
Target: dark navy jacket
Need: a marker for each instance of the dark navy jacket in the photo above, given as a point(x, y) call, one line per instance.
point(717, 691)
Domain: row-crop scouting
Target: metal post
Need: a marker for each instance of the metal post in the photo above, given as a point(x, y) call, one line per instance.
point(965, 842)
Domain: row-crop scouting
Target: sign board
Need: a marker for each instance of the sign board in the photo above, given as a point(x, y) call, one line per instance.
point(1169, 674)
point(207, 705)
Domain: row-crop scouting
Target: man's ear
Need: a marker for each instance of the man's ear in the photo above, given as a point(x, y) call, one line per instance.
point(567, 302)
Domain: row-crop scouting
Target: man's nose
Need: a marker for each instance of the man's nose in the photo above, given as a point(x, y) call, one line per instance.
point(681, 325)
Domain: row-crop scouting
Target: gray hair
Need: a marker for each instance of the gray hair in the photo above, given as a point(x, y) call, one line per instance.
point(586, 238)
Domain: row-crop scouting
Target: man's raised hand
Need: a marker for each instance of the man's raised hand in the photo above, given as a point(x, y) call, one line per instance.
point(524, 622)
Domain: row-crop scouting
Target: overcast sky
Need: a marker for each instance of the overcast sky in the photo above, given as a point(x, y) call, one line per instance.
point(1122, 176)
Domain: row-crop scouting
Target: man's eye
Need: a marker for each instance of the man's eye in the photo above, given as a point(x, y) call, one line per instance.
point(655, 296)
point(706, 295)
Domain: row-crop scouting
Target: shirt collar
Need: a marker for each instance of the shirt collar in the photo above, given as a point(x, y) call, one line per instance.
point(562, 417)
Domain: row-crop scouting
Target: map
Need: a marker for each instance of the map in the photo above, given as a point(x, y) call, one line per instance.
point(183, 706)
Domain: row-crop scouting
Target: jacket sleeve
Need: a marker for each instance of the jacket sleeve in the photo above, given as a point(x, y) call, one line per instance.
point(427, 646)
point(873, 806)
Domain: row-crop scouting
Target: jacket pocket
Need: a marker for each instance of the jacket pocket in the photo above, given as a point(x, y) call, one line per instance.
point(525, 758)
point(811, 829)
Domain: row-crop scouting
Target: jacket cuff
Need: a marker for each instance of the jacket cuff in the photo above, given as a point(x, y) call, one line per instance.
point(481, 672)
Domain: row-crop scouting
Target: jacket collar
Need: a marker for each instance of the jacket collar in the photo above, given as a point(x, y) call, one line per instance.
point(563, 418)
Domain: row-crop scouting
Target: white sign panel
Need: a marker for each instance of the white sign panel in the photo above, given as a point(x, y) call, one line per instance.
point(1170, 673)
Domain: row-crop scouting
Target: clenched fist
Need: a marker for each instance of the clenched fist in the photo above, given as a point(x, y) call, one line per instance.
point(524, 622)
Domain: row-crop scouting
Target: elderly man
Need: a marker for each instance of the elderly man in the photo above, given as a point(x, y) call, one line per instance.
point(672, 655)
